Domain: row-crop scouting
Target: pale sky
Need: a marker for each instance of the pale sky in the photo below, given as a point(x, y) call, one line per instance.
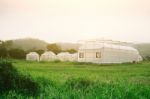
point(73, 20)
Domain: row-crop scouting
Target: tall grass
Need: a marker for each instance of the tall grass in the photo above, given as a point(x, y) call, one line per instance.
point(11, 79)
point(68, 80)
point(83, 88)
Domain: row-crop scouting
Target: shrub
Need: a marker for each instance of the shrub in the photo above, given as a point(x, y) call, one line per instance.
point(3, 53)
point(7, 75)
point(26, 85)
point(17, 53)
point(56, 61)
point(71, 51)
point(147, 58)
point(10, 79)
point(83, 63)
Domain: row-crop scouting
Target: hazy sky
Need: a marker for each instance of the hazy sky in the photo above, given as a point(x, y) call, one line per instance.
point(73, 20)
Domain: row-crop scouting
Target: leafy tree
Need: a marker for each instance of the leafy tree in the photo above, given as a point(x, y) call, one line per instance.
point(3, 52)
point(71, 51)
point(2, 45)
point(11, 79)
point(147, 58)
point(54, 48)
point(17, 53)
point(8, 44)
point(39, 51)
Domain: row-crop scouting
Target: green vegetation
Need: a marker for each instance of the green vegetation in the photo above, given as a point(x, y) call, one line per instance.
point(11, 79)
point(144, 49)
point(29, 44)
point(54, 48)
point(6, 51)
point(17, 53)
point(71, 51)
point(69, 80)
point(57, 49)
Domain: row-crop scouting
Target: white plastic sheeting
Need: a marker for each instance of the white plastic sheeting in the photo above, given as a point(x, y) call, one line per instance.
point(107, 53)
point(73, 57)
point(140, 58)
point(64, 56)
point(48, 56)
point(105, 45)
point(32, 56)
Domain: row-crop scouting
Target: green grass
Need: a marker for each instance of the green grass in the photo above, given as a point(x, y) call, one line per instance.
point(68, 80)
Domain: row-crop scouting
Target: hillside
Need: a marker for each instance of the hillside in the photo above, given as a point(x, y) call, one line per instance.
point(65, 46)
point(29, 43)
point(143, 48)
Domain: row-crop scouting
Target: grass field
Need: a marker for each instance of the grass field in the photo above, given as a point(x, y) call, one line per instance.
point(67, 80)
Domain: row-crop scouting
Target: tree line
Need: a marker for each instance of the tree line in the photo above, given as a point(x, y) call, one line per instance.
point(7, 51)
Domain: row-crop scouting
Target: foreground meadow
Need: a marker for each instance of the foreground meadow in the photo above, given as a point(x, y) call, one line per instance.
point(69, 80)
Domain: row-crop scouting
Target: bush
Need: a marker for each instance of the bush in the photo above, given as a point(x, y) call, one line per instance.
point(10, 79)
point(56, 61)
point(3, 53)
point(17, 53)
point(71, 51)
point(147, 58)
point(84, 63)
point(7, 73)
point(26, 85)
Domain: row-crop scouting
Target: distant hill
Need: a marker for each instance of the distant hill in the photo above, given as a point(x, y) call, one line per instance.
point(66, 46)
point(29, 43)
point(143, 48)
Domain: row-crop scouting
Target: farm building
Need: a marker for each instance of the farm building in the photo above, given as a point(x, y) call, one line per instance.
point(32, 56)
point(64, 56)
point(107, 52)
point(73, 57)
point(48, 56)
point(140, 58)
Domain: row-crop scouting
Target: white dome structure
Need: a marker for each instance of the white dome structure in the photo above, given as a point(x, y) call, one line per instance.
point(32, 56)
point(48, 56)
point(64, 56)
point(73, 57)
point(140, 58)
point(107, 53)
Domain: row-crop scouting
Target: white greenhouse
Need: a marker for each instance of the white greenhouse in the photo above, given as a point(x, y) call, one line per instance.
point(73, 57)
point(32, 56)
point(48, 56)
point(64, 56)
point(107, 53)
point(140, 58)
